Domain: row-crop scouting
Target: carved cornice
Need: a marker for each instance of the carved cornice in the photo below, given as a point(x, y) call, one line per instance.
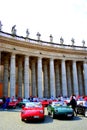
point(40, 46)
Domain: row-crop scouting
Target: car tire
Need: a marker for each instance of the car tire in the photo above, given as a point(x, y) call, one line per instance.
point(77, 111)
point(14, 107)
point(43, 119)
point(49, 113)
point(54, 116)
point(72, 116)
point(22, 119)
point(85, 114)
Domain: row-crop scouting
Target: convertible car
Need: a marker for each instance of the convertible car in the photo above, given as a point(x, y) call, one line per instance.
point(32, 111)
point(82, 108)
point(23, 102)
point(13, 103)
point(44, 102)
point(1, 102)
point(60, 109)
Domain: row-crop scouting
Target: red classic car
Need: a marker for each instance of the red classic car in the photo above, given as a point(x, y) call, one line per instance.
point(44, 102)
point(1, 102)
point(31, 111)
point(13, 103)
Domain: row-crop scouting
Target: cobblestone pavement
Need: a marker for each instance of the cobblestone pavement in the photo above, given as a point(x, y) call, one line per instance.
point(10, 120)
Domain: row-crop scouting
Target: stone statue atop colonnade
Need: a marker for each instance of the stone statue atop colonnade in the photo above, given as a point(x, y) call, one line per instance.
point(27, 33)
point(13, 30)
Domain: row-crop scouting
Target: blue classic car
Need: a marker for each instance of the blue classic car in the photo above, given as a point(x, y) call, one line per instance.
point(60, 109)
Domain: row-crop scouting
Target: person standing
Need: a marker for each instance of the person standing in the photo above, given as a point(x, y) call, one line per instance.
point(73, 103)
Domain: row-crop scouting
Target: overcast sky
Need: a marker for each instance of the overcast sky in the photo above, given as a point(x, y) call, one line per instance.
point(66, 18)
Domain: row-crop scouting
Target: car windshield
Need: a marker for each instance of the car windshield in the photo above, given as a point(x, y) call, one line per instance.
point(59, 104)
point(33, 104)
point(25, 100)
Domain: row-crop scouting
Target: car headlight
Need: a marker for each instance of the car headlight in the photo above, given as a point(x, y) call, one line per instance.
point(24, 112)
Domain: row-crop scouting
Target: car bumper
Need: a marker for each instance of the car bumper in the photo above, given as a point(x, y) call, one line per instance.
point(32, 117)
point(68, 115)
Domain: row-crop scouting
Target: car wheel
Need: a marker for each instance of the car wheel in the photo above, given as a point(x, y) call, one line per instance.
point(49, 113)
point(22, 119)
point(85, 114)
point(54, 116)
point(72, 116)
point(77, 111)
point(14, 107)
point(43, 119)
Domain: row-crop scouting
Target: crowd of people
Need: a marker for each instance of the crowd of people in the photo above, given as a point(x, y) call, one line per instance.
point(72, 101)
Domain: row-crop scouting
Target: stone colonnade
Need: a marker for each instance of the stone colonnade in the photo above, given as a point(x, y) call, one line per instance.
point(42, 77)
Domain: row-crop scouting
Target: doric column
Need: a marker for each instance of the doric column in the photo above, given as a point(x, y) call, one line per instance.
point(5, 89)
point(52, 78)
point(19, 77)
point(33, 77)
point(46, 93)
point(69, 82)
point(0, 66)
point(12, 75)
point(75, 79)
point(0, 57)
point(57, 81)
point(85, 76)
point(26, 77)
point(64, 82)
point(39, 79)
point(80, 81)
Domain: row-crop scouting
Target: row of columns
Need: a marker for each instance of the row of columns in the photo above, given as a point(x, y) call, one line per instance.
point(85, 77)
point(54, 78)
point(0, 66)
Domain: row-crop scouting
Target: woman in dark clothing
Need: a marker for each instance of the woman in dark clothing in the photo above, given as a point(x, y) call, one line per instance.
point(73, 103)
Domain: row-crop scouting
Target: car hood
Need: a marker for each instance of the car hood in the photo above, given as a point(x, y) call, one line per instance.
point(32, 108)
point(63, 108)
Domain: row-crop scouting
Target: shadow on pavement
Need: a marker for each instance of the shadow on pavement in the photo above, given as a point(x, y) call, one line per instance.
point(10, 110)
point(75, 118)
point(47, 119)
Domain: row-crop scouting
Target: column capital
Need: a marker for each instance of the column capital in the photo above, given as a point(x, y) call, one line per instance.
point(51, 59)
point(74, 61)
point(26, 55)
point(63, 59)
point(39, 58)
point(13, 53)
point(84, 62)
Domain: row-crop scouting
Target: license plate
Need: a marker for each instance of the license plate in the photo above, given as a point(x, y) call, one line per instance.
point(69, 115)
point(36, 116)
